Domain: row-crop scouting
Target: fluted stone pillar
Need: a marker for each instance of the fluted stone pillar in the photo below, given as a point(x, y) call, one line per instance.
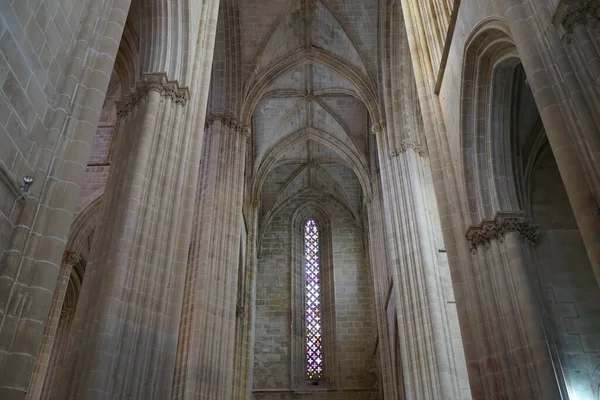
point(382, 279)
point(432, 364)
point(579, 21)
point(205, 367)
point(432, 356)
point(246, 310)
point(125, 331)
point(517, 363)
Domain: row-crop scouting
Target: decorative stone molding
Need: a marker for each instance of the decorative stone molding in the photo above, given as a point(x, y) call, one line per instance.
point(570, 13)
point(404, 146)
point(408, 144)
point(309, 97)
point(245, 131)
point(497, 228)
point(379, 127)
point(593, 7)
point(154, 83)
point(70, 258)
point(223, 118)
point(227, 120)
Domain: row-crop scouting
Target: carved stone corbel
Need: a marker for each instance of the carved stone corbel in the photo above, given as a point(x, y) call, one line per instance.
point(378, 127)
point(70, 258)
point(497, 228)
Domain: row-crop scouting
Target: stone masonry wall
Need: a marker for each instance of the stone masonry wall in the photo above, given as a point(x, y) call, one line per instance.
point(469, 15)
point(354, 325)
point(572, 294)
point(36, 39)
point(96, 173)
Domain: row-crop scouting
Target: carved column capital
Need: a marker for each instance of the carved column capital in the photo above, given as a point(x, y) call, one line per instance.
point(408, 144)
point(169, 89)
point(593, 7)
point(570, 14)
point(153, 83)
point(226, 120)
point(245, 131)
point(70, 258)
point(378, 127)
point(503, 223)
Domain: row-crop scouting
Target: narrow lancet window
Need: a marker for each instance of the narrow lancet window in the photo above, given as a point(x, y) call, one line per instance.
point(314, 325)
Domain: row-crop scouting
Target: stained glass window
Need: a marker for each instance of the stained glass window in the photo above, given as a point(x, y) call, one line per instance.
point(314, 326)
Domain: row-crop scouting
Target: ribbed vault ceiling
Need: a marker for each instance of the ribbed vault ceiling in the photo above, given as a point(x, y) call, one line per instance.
point(310, 126)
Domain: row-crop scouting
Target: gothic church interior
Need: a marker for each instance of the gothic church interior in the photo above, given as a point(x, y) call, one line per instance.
point(299, 199)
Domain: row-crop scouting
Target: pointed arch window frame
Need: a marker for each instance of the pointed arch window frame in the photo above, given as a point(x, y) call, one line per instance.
point(299, 360)
point(313, 306)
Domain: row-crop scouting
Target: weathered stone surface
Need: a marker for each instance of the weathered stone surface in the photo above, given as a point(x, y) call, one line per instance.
point(448, 149)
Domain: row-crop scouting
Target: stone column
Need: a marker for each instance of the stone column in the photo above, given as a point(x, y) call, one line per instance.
point(245, 311)
point(42, 365)
point(579, 23)
point(517, 362)
point(206, 350)
point(472, 299)
point(125, 331)
point(568, 107)
point(431, 366)
point(382, 281)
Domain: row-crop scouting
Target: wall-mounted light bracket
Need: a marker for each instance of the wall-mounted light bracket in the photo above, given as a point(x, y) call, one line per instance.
point(27, 181)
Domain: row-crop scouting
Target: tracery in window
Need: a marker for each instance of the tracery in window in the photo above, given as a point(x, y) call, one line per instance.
point(314, 326)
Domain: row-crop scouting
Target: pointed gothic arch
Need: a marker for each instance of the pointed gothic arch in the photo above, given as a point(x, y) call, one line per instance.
point(506, 156)
point(299, 372)
point(489, 62)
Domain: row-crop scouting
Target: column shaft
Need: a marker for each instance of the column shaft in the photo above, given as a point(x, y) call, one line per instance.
point(246, 313)
point(515, 360)
point(381, 277)
point(477, 307)
point(126, 324)
point(423, 320)
point(206, 351)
